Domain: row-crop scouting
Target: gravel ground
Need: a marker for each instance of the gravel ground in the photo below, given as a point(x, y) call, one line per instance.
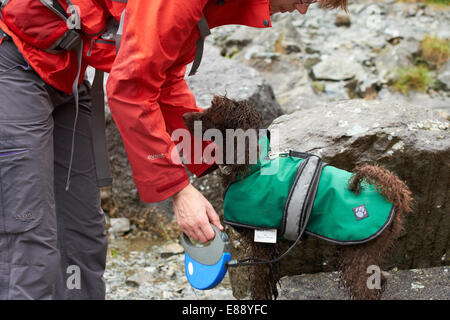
point(414, 284)
point(142, 269)
point(138, 269)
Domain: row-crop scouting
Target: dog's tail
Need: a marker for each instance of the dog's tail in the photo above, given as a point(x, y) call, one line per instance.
point(387, 183)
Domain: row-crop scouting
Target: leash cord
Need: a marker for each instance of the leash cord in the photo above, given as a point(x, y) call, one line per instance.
point(254, 261)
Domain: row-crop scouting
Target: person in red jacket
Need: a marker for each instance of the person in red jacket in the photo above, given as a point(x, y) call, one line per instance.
point(52, 237)
point(143, 102)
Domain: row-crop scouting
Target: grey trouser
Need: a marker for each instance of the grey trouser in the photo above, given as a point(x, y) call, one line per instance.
point(52, 242)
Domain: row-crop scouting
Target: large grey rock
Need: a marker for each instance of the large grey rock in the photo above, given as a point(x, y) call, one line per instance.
point(216, 75)
point(119, 226)
point(349, 121)
point(444, 75)
point(289, 79)
point(277, 54)
point(283, 38)
point(219, 75)
point(356, 80)
point(413, 142)
point(339, 66)
point(394, 57)
point(438, 100)
point(414, 284)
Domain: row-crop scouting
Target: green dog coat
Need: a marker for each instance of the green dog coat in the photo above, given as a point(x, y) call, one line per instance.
point(298, 193)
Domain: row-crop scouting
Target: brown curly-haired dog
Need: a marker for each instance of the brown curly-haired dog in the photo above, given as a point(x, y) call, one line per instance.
point(353, 260)
point(226, 114)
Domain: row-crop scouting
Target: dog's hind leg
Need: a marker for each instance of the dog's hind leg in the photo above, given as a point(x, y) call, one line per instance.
point(355, 264)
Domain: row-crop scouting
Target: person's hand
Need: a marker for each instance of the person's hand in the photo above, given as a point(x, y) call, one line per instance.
point(194, 214)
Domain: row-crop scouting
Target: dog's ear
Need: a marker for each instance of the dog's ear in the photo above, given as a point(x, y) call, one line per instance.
point(209, 118)
point(189, 118)
point(220, 102)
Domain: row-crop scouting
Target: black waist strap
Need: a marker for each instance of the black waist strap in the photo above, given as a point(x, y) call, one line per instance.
point(79, 51)
point(99, 132)
point(204, 31)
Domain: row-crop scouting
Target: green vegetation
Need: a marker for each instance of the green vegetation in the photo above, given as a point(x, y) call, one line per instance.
point(418, 78)
point(278, 46)
point(318, 87)
point(442, 2)
point(433, 53)
point(114, 252)
point(434, 50)
point(230, 54)
point(438, 2)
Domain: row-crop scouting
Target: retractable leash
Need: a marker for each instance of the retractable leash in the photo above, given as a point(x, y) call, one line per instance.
point(246, 261)
point(206, 266)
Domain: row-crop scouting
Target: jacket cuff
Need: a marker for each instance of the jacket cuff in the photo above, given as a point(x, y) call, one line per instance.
point(148, 192)
point(204, 169)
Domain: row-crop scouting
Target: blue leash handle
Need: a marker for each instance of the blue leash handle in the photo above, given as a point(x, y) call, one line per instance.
point(202, 276)
point(206, 266)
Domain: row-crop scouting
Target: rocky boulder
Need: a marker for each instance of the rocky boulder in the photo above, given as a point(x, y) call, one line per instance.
point(322, 56)
point(119, 226)
point(413, 142)
point(393, 57)
point(219, 75)
point(278, 54)
point(337, 67)
point(444, 75)
point(414, 284)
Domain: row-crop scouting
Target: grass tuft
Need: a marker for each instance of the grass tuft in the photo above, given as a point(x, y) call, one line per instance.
point(435, 50)
point(318, 87)
point(418, 78)
point(441, 2)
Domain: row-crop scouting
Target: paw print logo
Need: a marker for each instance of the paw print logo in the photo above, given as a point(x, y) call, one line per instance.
point(360, 212)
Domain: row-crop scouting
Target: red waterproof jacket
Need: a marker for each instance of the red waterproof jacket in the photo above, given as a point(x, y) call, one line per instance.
point(146, 90)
